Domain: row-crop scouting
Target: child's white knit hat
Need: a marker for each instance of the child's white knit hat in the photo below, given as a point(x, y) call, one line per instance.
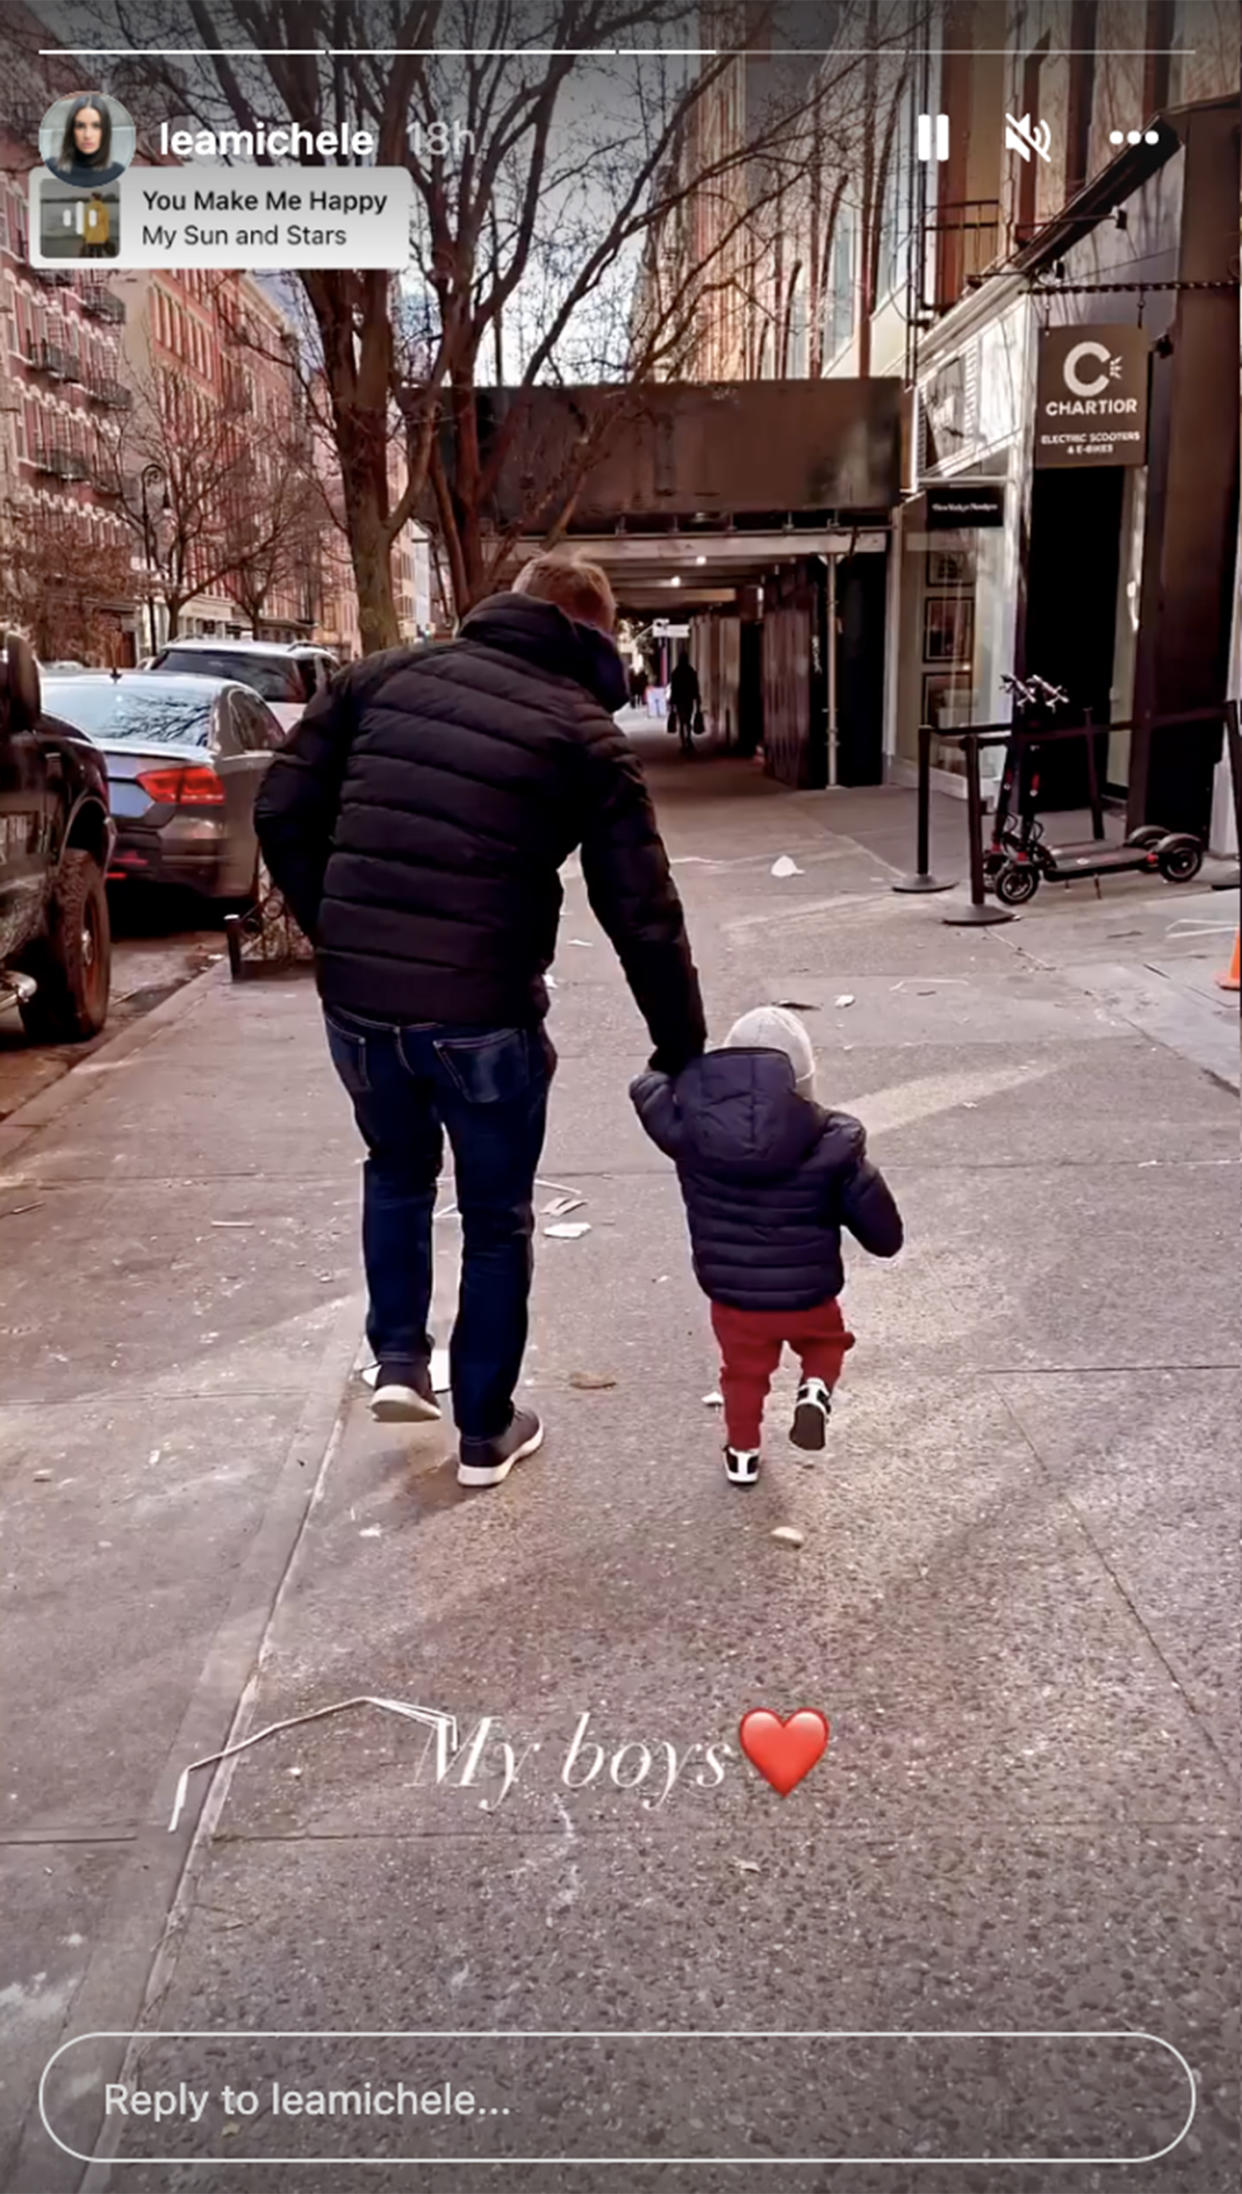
point(775, 1028)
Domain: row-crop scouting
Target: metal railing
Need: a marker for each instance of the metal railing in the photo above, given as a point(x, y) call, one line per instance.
point(102, 304)
point(113, 395)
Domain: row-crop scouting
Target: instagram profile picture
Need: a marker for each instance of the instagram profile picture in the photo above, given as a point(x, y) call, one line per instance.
point(87, 139)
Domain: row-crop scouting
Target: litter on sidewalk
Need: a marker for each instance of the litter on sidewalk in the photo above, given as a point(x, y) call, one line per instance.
point(591, 1382)
point(786, 1535)
point(444, 1724)
point(784, 866)
point(713, 1401)
point(561, 1205)
point(568, 1230)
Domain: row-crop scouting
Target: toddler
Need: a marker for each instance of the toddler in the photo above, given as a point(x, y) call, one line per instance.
point(769, 1180)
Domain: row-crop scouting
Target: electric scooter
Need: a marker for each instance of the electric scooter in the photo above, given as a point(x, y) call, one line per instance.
point(1019, 859)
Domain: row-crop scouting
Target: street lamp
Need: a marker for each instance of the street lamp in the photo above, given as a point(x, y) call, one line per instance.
point(149, 477)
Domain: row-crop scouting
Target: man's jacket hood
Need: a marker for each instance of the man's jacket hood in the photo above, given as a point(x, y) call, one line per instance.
point(543, 635)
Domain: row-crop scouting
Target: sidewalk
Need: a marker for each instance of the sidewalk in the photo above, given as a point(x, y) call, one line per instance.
point(1015, 1599)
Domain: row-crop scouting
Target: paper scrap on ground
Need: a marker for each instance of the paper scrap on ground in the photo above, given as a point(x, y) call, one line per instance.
point(561, 1205)
point(372, 1531)
point(785, 1535)
point(588, 1381)
point(232, 1222)
point(783, 866)
point(713, 1401)
point(569, 1230)
point(846, 999)
point(430, 1717)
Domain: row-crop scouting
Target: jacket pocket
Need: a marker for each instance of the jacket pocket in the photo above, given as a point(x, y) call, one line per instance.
point(494, 1069)
point(349, 1056)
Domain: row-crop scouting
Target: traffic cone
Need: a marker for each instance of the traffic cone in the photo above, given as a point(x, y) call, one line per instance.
point(1230, 981)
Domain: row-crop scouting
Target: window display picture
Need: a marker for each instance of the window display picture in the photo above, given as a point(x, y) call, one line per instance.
point(87, 140)
point(948, 628)
point(947, 700)
point(949, 568)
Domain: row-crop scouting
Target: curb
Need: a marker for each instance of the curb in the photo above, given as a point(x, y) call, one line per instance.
point(48, 1104)
point(130, 1951)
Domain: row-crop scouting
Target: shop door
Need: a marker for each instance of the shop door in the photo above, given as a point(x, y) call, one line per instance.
point(750, 688)
point(862, 589)
point(1073, 571)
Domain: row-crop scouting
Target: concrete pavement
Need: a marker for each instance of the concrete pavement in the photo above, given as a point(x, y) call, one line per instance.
point(1015, 1598)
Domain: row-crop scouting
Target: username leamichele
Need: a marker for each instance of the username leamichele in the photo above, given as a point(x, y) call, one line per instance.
point(652, 1769)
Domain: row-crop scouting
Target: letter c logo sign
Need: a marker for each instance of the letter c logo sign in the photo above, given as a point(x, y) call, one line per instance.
point(1074, 358)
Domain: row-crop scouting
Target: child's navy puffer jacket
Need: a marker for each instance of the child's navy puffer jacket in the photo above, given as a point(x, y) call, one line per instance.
point(769, 1180)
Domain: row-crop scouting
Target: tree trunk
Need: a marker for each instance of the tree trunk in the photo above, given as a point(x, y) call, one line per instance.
point(369, 549)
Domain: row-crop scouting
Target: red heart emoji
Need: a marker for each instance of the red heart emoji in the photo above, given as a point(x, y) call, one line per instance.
point(783, 1752)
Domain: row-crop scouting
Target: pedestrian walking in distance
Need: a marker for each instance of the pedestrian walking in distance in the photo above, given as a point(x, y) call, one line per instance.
point(415, 821)
point(769, 1180)
point(684, 697)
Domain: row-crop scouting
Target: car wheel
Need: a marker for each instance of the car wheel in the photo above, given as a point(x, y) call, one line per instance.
point(73, 963)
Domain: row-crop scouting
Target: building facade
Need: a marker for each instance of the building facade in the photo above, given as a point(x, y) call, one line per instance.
point(228, 520)
point(68, 574)
point(1089, 182)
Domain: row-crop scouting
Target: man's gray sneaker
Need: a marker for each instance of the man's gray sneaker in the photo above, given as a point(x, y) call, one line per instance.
point(488, 1462)
point(403, 1396)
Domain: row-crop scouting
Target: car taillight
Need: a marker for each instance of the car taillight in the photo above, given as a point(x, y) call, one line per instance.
point(191, 782)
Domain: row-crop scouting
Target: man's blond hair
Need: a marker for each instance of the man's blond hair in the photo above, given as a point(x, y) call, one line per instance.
point(579, 588)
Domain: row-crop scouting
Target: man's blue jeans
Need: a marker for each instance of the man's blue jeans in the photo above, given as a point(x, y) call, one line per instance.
point(488, 1090)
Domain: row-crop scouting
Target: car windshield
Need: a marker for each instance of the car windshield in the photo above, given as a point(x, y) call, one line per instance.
point(273, 676)
point(148, 711)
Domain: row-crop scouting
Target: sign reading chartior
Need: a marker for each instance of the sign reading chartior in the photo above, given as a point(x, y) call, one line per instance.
point(1091, 404)
point(259, 217)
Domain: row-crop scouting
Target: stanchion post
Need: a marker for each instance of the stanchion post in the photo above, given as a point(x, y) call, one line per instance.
point(1094, 794)
point(980, 912)
point(922, 879)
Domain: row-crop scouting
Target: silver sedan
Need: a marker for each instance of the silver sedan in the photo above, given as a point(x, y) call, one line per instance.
point(186, 757)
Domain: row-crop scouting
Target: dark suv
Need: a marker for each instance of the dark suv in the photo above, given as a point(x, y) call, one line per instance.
point(56, 837)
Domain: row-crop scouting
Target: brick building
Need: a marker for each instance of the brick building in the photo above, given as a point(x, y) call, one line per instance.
point(209, 356)
point(66, 561)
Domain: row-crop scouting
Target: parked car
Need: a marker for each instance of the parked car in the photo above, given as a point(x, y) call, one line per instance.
point(287, 676)
point(56, 838)
point(186, 757)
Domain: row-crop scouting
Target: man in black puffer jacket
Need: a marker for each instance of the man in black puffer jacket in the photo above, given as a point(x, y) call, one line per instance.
point(415, 821)
point(769, 1180)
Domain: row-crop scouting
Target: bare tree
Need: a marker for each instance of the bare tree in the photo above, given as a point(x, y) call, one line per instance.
point(176, 470)
point(65, 592)
point(543, 146)
point(272, 530)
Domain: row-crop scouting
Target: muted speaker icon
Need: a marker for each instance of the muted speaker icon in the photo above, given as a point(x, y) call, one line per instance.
point(1025, 137)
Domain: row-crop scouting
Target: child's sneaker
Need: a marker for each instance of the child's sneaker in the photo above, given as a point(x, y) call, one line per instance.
point(742, 1465)
point(811, 1413)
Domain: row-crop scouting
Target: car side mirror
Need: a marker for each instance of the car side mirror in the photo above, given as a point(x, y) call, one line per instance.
point(20, 694)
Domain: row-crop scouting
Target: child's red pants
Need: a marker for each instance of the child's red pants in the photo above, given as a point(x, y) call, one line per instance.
point(750, 1347)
